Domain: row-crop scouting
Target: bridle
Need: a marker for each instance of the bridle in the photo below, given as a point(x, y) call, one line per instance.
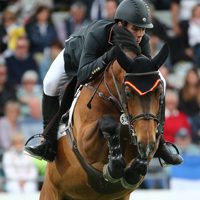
point(145, 116)
point(120, 102)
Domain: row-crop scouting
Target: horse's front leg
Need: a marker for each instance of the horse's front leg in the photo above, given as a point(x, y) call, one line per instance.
point(134, 174)
point(110, 129)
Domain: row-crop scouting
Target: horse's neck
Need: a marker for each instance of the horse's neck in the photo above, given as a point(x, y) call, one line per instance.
point(114, 74)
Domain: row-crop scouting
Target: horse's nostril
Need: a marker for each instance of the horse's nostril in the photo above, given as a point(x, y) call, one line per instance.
point(146, 149)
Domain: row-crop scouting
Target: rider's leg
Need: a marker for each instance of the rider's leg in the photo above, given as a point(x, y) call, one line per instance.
point(163, 149)
point(52, 85)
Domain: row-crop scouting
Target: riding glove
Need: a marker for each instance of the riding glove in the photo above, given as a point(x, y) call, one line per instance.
point(123, 38)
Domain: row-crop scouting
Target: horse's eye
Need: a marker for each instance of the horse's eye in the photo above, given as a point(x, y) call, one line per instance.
point(128, 93)
point(158, 91)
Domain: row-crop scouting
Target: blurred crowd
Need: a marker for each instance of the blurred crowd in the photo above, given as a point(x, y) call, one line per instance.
point(32, 33)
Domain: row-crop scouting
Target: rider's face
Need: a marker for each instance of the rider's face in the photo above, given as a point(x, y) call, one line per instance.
point(137, 32)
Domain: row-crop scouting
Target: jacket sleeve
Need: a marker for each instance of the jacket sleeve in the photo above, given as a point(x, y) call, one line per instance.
point(145, 47)
point(94, 58)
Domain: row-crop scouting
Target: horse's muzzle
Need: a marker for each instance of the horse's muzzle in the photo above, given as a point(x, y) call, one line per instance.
point(145, 150)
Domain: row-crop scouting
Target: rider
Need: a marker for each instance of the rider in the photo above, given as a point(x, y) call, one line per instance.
point(86, 54)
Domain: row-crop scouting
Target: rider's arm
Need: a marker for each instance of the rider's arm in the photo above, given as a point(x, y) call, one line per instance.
point(94, 58)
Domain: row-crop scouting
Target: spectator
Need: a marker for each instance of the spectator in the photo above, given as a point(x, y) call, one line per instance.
point(183, 140)
point(181, 13)
point(174, 119)
point(9, 124)
point(189, 101)
point(26, 8)
point(193, 34)
point(20, 62)
point(7, 92)
point(188, 94)
point(110, 8)
point(20, 172)
point(97, 10)
point(10, 30)
point(77, 17)
point(29, 95)
point(195, 121)
point(103, 9)
point(41, 30)
point(49, 55)
point(28, 91)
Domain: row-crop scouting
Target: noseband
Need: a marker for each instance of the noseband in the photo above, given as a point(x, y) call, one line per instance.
point(145, 116)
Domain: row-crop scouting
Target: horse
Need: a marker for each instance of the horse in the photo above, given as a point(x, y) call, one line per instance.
point(113, 132)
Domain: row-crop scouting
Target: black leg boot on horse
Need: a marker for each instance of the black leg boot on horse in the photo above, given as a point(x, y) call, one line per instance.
point(52, 114)
point(134, 174)
point(110, 129)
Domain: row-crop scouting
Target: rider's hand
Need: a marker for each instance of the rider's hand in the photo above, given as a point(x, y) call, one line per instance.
point(123, 38)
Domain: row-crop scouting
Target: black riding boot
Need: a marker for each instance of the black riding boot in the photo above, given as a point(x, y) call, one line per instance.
point(47, 149)
point(165, 153)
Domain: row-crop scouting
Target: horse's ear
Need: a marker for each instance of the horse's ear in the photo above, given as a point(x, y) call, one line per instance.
point(125, 62)
point(160, 58)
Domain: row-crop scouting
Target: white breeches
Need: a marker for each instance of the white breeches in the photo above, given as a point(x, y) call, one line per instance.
point(56, 76)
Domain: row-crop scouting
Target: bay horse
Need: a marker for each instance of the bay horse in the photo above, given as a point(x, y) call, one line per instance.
point(113, 132)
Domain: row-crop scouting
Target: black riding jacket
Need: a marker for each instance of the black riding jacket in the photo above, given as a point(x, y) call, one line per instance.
point(86, 50)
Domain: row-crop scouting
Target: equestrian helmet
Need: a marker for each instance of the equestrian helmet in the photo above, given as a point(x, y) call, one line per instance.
point(136, 12)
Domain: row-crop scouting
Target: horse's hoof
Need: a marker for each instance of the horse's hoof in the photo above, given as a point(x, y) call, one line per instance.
point(107, 176)
point(129, 186)
point(140, 166)
point(126, 185)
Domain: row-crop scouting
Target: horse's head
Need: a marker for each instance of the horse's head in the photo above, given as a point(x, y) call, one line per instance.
point(142, 94)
